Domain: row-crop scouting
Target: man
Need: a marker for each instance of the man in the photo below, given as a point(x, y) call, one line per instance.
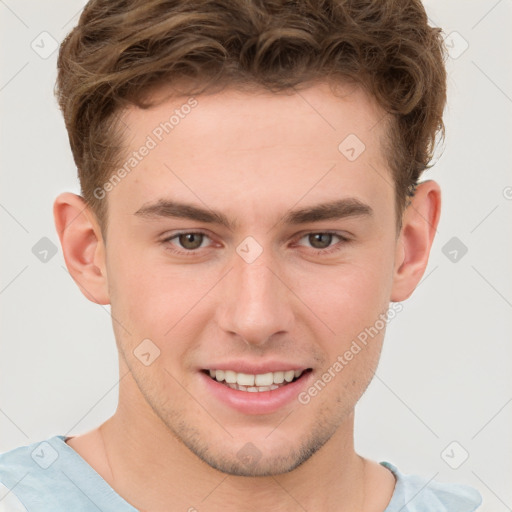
point(250, 207)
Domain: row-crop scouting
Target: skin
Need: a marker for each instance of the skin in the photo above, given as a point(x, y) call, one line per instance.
point(171, 445)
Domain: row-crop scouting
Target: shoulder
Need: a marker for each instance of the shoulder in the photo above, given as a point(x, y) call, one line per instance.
point(50, 475)
point(32, 474)
point(418, 494)
point(24, 473)
point(36, 456)
point(9, 502)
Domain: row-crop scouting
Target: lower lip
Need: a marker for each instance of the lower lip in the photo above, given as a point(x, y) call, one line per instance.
point(259, 402)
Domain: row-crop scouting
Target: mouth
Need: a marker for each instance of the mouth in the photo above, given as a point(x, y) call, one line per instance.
point(256, 383)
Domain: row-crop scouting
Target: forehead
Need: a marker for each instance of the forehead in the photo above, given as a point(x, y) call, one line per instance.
point(255, 146)
point(218, 118)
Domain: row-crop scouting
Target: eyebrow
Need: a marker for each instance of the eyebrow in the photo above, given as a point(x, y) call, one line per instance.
point(339, 209)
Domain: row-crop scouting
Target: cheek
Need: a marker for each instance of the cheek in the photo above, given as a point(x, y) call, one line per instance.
point(351, 302)
point(348, 297)
point(141, 296)
point(164, 303)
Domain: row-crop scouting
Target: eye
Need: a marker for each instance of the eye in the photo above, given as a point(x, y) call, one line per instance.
point(189, 241)
point(322, 241)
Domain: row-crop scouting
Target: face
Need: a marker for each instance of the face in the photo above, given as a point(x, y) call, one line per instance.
point(247, 243)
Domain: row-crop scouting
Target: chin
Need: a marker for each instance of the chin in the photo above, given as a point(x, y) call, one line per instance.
point(253, 458)
point(254, 465)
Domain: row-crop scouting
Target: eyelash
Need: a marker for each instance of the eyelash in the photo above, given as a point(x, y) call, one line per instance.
point(194, 252)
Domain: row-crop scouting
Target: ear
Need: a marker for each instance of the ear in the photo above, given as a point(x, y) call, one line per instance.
point(419, 225)
point(82, 245)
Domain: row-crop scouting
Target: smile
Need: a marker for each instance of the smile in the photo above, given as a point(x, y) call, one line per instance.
point(254, 383)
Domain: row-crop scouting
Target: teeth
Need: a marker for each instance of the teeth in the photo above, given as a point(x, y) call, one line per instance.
point(244, 379)
point(230, 376)
point(252, 383)
point(278, 377)
point(264, 379)
point(288, 376)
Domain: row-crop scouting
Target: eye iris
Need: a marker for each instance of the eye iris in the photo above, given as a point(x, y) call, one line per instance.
point(320, 240)
point(191, 240)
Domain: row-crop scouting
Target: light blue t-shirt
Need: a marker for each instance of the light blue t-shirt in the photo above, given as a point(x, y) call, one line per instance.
point(51, 476)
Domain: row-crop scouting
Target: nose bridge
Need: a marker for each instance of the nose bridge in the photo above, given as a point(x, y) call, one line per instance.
point(257, 303)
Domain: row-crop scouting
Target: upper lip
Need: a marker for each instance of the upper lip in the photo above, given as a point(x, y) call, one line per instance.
point(255, 368)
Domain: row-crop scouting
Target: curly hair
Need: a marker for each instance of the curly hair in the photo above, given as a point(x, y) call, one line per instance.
point(121, 50)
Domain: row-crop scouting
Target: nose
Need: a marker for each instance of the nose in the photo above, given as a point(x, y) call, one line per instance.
point(256, 304)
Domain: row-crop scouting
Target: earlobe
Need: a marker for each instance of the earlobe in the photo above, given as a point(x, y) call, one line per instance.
point(82, 246)
point(420, 221)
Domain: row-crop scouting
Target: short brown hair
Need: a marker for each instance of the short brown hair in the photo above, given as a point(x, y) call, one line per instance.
point(122, 49)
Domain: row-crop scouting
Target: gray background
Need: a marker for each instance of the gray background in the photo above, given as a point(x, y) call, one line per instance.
point(445, 372)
